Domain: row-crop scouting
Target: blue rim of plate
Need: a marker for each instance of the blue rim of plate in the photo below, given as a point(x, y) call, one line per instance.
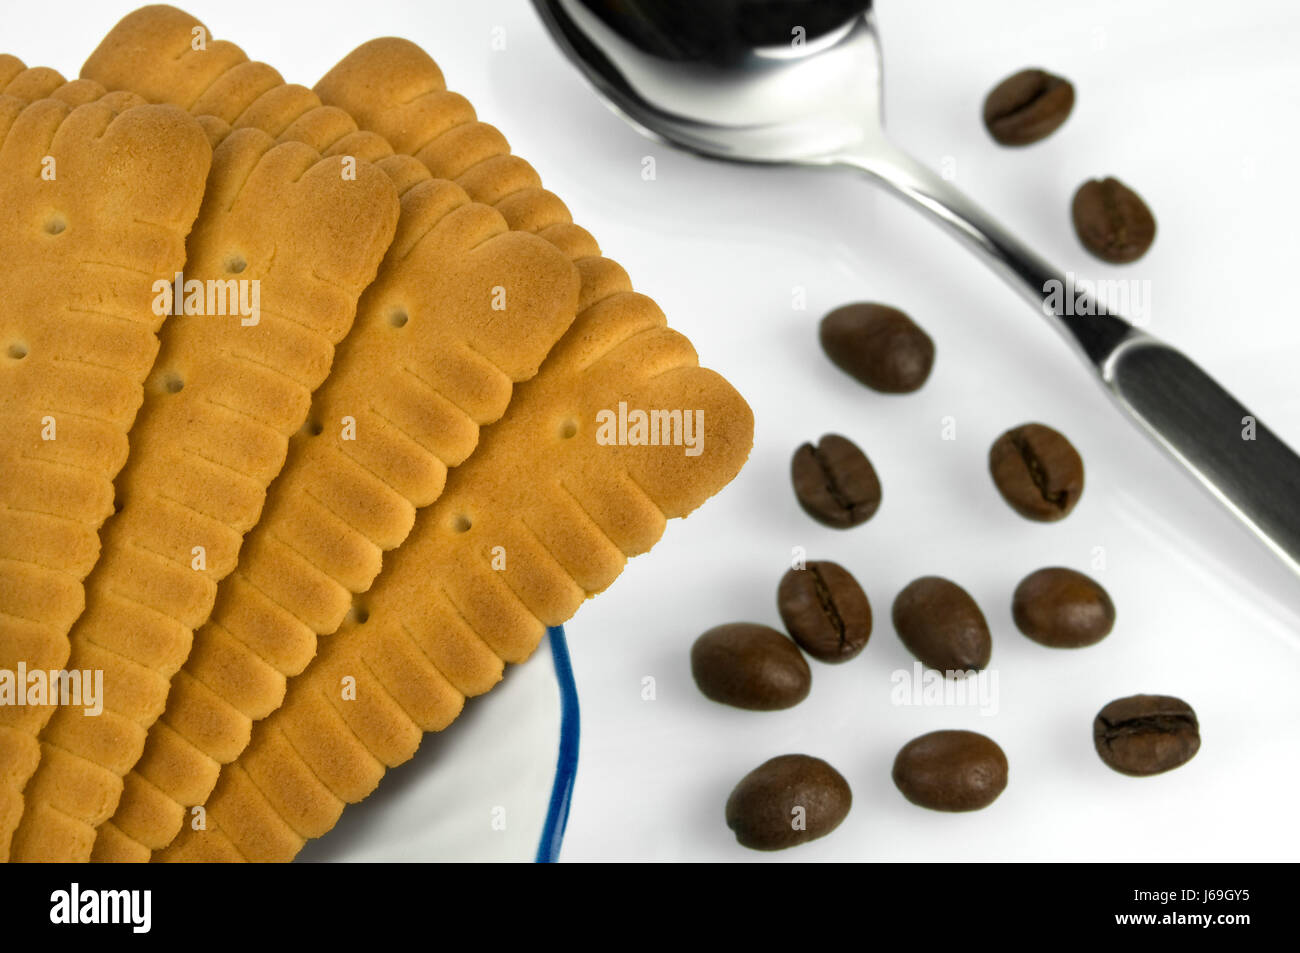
point(566, 763)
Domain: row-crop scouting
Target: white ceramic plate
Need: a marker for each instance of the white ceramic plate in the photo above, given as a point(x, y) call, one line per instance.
point(494, 786)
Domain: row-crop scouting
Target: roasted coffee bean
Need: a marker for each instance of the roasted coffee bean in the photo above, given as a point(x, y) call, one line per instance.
point(1027, 106)
point(942, 626)
point(1112, 221)
point(1062, 608)
point(1037, 471)
point(1146, 734)
point(825, 610)
point(835, 482)
point(951, 771)
point(750, 666)
point(879, 345)
point(787, 801)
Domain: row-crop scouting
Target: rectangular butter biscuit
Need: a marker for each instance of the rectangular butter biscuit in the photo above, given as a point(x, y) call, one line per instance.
point(99, 193)
point(466, 622)
point(225, 394)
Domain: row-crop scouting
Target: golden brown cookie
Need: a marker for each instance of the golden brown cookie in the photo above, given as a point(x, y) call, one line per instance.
point(490, 304)
point(283, 246)
point(431, 359)
point(447, 609)
point(543, 515)
point(30, 84)
point(98, 199)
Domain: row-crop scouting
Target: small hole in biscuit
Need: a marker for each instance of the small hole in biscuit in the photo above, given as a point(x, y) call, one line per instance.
point(315, 428)
point(173, 384)
point(359, 614)
point(398, 318)
point(17, 351)
point(235, 264)
point(461, 524)
point(569, 429)
point(55, 225)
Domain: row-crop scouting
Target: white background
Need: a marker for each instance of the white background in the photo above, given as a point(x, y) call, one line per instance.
point(1195, 105)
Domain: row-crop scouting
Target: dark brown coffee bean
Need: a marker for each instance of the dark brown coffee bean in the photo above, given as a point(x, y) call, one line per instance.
point(879, 345)
point(787, 801)
point(1037, 471)
point(1146, 734)
point(1112, 221)
point(750, 666)
point(835, 482)
point(1062, 608)
point(1027, 106)
point(941, 625)
point(951, 771)
point(825, 610)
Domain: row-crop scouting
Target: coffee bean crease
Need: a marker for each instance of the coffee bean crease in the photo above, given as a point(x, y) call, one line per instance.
point(832, 484)
point(829, 609)
point(1038, 473)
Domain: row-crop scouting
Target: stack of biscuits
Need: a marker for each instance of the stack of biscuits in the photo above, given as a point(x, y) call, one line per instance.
point(300, 391)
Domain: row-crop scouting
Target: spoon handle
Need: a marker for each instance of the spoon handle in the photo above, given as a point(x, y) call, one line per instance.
point(1095, 335)
point(1247, 467)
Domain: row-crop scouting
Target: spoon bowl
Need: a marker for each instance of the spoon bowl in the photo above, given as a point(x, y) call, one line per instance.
point(743, 98)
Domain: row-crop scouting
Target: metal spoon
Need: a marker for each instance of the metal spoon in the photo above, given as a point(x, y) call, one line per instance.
point(727, 80)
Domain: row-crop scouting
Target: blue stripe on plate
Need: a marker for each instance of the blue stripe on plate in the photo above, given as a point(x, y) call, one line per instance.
point(566, 766)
